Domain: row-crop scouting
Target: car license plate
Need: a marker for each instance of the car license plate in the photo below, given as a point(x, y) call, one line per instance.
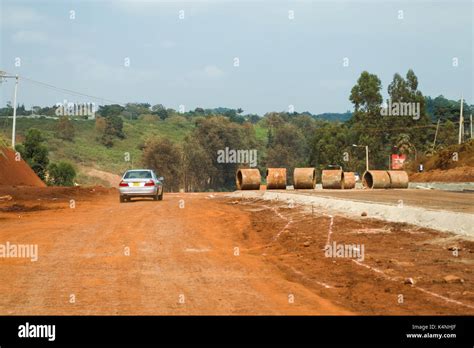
point(136, 184)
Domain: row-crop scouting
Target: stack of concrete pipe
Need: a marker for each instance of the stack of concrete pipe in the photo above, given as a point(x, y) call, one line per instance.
point(305, 178)
point(383, 179)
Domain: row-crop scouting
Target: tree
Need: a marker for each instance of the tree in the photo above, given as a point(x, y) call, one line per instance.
point(366, 121)
point(110, 110)
point(34, 152)
point(404, 144)
point(212, 135)
point(160, 111)
point(65, 128)
point(417, 129)
point(331, 144)
point(7, 110)
point(273, 119)
point(109, 128)
point(165, 158)
point(133, 110)
point(197, 165)
point(366, 97)
point(448, 135)
point(288, 149)
point(61, 174)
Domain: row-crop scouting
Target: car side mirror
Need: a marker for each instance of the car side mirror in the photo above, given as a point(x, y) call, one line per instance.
point(161, 178)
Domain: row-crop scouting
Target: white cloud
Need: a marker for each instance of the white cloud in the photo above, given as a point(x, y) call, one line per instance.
point(91, 69)
point(20, 16)
point(208, 72)
point(30, 37)
point(335, 84)
point(168, 44)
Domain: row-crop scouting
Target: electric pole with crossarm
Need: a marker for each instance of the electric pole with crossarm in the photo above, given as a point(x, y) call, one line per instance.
point(4, 76)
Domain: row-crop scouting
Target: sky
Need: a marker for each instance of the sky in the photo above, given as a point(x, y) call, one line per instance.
point(305, 55)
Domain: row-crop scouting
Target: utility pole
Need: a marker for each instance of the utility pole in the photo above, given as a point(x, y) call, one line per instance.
point(367, 158)
point(366, 155)
point(471, 125)
point(436, 134)
point(14, 112)
point(461, 122)
point(2, 76)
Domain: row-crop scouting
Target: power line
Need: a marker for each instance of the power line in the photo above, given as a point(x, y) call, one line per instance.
point(68, 91)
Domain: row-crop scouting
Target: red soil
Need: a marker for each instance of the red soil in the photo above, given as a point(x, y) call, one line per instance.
point(458, 174)
point(16, 173)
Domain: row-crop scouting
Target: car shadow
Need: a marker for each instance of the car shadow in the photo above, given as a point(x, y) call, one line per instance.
point(134, 200)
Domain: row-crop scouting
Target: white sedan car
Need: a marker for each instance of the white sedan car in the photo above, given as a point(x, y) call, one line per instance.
point(141, 183)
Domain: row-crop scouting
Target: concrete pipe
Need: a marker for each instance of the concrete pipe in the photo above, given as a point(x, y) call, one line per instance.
point(276, 178)
point(398, 178)
point(304, 178)
point(332, 179)
point(248, 179)
point(348, 180)
point(376, 179)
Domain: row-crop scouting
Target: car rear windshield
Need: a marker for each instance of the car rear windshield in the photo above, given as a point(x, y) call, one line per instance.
point(139, 174)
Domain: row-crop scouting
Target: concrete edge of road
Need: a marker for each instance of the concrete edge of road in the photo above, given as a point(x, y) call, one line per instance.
point(440, 220)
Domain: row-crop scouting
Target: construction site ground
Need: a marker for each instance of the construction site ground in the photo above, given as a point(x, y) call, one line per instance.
point(208, 253)
point(461, 202)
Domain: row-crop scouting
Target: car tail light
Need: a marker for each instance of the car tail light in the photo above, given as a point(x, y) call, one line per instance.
point(123, 184)
point(150, 183)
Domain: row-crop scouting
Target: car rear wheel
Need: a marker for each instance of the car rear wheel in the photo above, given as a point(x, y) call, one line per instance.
point(122, 199)
point(160, 197)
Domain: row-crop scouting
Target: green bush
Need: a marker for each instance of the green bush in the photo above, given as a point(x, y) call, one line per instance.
point(61, 174)
point(34, 152)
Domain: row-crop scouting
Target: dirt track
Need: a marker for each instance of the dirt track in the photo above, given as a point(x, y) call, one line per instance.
point(438, 200)
point(182, 260)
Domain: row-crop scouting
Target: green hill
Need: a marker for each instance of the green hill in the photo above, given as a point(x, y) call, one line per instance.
point(85, 151)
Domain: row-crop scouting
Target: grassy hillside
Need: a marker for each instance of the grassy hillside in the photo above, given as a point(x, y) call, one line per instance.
point(85, 150)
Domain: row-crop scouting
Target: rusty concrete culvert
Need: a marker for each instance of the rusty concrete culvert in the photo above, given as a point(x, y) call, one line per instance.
point(348, 180)
point(398, 178)
point(248, 179)
point(304, 178)
point(376, 179)
point(276, 178)
point(331, 179)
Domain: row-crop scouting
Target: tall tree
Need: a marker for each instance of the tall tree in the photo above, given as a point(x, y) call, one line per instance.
point(366, 120)
point(165, 158)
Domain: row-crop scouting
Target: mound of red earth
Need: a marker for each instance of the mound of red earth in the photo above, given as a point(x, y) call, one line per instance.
point(15, 172)
point(458, 174)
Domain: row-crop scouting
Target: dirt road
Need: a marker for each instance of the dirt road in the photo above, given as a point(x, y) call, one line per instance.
point(182, 261)
point(208, 254)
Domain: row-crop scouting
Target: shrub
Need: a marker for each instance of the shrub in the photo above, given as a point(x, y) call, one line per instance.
point(61, 174)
